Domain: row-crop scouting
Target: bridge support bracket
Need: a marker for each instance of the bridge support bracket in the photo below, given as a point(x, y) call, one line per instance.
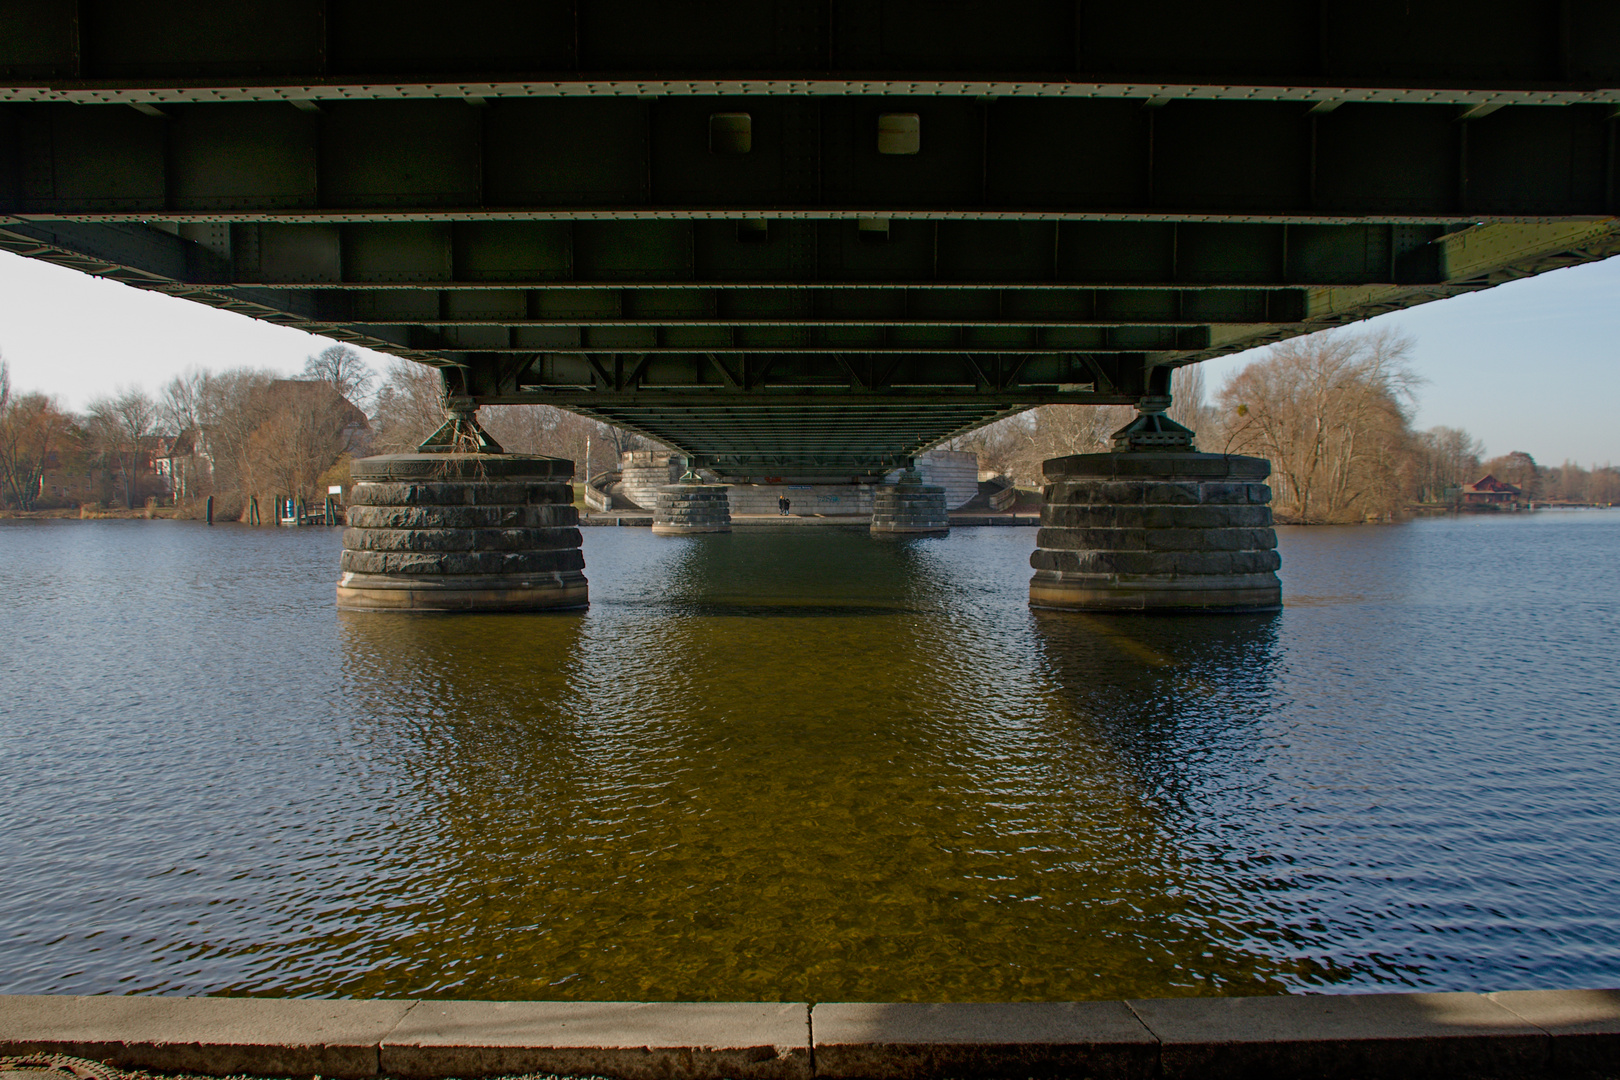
point(1152, 431)
point(460, 433)
point(444, 531)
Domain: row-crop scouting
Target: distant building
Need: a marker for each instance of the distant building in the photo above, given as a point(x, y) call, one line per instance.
point(1489, 493)
point(72, 479)
point(176, 461)
point(313, 396)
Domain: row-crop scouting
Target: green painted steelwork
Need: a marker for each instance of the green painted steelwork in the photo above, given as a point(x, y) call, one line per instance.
point(800, 233)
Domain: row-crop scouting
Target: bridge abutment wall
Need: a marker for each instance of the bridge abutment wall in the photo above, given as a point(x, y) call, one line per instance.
point(825, 499)
point(1156, 532)
point(462, 532)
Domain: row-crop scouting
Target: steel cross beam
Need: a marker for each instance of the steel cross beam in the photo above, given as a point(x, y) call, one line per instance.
point(809, 231)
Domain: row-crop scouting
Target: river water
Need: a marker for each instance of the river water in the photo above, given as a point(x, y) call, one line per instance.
point(809, 765)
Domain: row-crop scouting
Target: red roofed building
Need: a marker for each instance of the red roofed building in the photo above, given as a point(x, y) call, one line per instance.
point(1489, 493)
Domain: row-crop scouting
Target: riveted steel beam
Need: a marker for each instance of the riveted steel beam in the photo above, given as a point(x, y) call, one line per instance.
point(1013, 159)
point(534, 196)
point(479, 46)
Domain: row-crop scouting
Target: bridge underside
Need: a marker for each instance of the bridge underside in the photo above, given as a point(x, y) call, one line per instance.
point(809, 235)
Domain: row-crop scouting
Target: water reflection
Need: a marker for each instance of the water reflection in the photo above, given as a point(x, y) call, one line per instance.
point(801, 767)
point(1178, 705)
point(805, 764)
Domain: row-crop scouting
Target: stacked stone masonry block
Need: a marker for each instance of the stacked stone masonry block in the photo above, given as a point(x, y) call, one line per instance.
point(909, 509)
point(1156, 532)
point(461, 532)
point(692, 508)
point(643, 473)
point(957, 471)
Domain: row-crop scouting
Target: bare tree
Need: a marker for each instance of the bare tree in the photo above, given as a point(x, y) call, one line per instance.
point(180, 405)
point(1330, 411)
point(409, 407)
point(1449, 458)
point(33, 428)
point(231, 406)
point(1001, 446)
point(306, 429)
point(180, 402)
point(593, 447)
point(1190, 405)
point(1017, 446)
point(121, 428)
point(344, 368)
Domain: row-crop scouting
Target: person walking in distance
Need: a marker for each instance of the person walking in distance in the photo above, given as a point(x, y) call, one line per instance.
point(782, 505)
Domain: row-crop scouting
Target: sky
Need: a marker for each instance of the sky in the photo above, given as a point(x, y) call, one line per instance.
point(1532, 365)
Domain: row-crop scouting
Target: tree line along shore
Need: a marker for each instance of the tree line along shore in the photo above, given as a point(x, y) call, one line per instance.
point(1331, 411)
point(247, 438)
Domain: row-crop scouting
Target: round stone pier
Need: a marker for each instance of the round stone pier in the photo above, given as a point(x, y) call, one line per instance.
point(692, 508)
point(909, 508)
point(461, 532)
point(1156, 532)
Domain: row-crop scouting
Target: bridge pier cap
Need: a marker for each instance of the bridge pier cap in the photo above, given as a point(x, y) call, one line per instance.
point(1156, 526)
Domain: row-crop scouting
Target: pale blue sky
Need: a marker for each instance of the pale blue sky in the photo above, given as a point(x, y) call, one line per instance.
point(1533, 365)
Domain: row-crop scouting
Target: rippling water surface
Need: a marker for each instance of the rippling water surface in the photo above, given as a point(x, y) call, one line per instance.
point(804, 764)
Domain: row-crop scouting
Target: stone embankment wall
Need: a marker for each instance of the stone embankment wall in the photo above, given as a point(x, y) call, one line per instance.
point(643, 472)
point(828, 499)
point(1505, 1036)
point(956, 471)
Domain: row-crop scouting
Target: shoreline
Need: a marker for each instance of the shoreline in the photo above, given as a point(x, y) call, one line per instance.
point(1524, 1033)
point(74, 513)
point(643, 518)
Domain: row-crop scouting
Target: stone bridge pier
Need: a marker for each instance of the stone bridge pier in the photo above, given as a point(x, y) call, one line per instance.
point(462, 526)
point(1156, 526)
point(909, 508)
point(691, 506)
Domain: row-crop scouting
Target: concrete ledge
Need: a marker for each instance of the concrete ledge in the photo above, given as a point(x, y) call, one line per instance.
point(1553, 1033)
point(1090, 1039)
point(1584, 1026)
point(618, 1039)
point(1352, 1036)
point(615, 518)
point(214, 1036)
